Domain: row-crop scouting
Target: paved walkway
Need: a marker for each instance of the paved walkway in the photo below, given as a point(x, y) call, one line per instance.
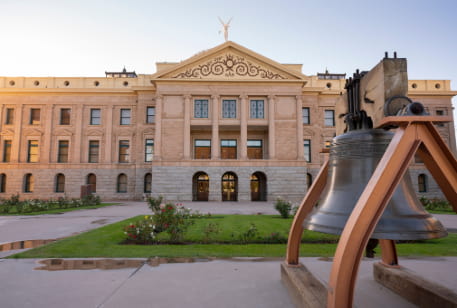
point(222, 283)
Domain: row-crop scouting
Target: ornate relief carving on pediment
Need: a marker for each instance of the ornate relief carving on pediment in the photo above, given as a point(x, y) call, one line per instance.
point(308, 132)
point(94, 132)
point(148, 131)
point(230, 66)
point(63, 132)
point(32, 132)
point(7, 132)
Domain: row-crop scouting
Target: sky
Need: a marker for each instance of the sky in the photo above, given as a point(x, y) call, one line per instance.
point(85, 38)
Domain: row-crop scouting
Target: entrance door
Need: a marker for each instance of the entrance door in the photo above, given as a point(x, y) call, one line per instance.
point(258, 187)
point(200, 187)
point(229, 187)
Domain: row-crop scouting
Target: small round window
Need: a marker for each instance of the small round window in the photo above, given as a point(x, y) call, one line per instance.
point(126, 83)
point(12, 83)
point(36, 83)
point(66, 83)
point(437, 86)
point(96, 83)
point(414, 85)
point(329, 85)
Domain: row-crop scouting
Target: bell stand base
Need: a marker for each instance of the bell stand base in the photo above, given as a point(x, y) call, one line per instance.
point(414, 134)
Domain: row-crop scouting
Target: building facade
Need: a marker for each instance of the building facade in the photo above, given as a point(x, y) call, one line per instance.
point(227, 124)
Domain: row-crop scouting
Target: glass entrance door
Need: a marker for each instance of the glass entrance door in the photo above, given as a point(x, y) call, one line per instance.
point(229, 187)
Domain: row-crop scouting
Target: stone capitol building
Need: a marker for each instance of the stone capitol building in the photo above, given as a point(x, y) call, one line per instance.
point(226, 124)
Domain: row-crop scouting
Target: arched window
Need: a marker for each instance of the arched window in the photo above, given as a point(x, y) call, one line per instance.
point(258, 186)
point(200, 186)
point(147, 182)
point(92, 181)
point(2, 183)
point(309, 180)
point(122, 183)
point(60, 183)
point(422, 182)
point(29, 183)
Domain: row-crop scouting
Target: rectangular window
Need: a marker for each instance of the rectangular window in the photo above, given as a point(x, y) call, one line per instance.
point(148, 150)
point(255, 149)
point(305, 115)
point(95, 117)
point(150, 114)
point(65, 116)
point(62, 156)
point(33, 151)
point(201, 108)
point(9, 119)
point(328, 143)
point(35, 116)
point(125, 116)
point(124, 151)
point(229, 108)
point(307, 149)
point(7, 151)
point(329, 117)
point(94, 148)
point(228, 149)
point(257, 109)
point(203, 149)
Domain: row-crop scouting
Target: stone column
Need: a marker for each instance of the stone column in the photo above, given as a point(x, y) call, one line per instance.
point(186, 146)
point(300, 150)
point(244, 127)
point(17, 139)
point(271, 126)
point(78, 117)
point(158, 129)
point(215, 147)
point(46, 138)
point(107, 122)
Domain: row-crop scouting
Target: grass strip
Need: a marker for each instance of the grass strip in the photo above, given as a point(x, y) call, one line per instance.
point(105, 242)
point(59, 211)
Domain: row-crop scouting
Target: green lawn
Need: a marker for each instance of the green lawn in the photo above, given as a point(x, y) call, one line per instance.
point(105, 242)
point(58, 211)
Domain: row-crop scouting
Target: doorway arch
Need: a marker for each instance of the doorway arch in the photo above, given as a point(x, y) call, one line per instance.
point(258, 186)
point(229, 187)
point(200, 186)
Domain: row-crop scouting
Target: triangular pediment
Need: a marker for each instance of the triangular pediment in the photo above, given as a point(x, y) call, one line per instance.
point(32, 132)
point(63, 132)
point(229, 61)
point(7, 132)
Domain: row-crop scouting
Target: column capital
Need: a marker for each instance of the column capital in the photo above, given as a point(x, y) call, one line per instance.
point(158, 97)
point(215, 96)
point(271, 97)
point(187, 96)
point(244, 96)
point(299, 97)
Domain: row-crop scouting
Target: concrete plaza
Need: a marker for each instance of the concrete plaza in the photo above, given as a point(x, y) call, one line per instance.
point(238, 282)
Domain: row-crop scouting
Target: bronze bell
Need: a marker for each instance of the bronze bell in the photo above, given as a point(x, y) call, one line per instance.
point(353, 159)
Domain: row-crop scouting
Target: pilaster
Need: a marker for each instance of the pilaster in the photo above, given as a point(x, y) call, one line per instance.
point(244, 127)
point(186, 146)
point(158, 129)
point(215, 148)
point(300, 150)
point(271, 127)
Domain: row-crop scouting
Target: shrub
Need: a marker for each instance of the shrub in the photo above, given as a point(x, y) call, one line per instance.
point(142, 231)
point(436, 204)
point(275, 238)
point(210, 230)
point(283, 207)
point(249, 235)
point(173, 219)
point(154, 203)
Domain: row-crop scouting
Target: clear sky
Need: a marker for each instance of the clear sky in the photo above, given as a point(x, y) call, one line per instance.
point(87, 37)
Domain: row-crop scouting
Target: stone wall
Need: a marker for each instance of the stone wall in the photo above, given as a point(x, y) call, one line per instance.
point(175, 182)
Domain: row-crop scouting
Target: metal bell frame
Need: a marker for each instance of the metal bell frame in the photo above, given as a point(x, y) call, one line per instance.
point(414, 134)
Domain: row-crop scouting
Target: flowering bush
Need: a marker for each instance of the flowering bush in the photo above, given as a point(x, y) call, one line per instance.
point(142, 231)
point(169, 218)
point(14, 205)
